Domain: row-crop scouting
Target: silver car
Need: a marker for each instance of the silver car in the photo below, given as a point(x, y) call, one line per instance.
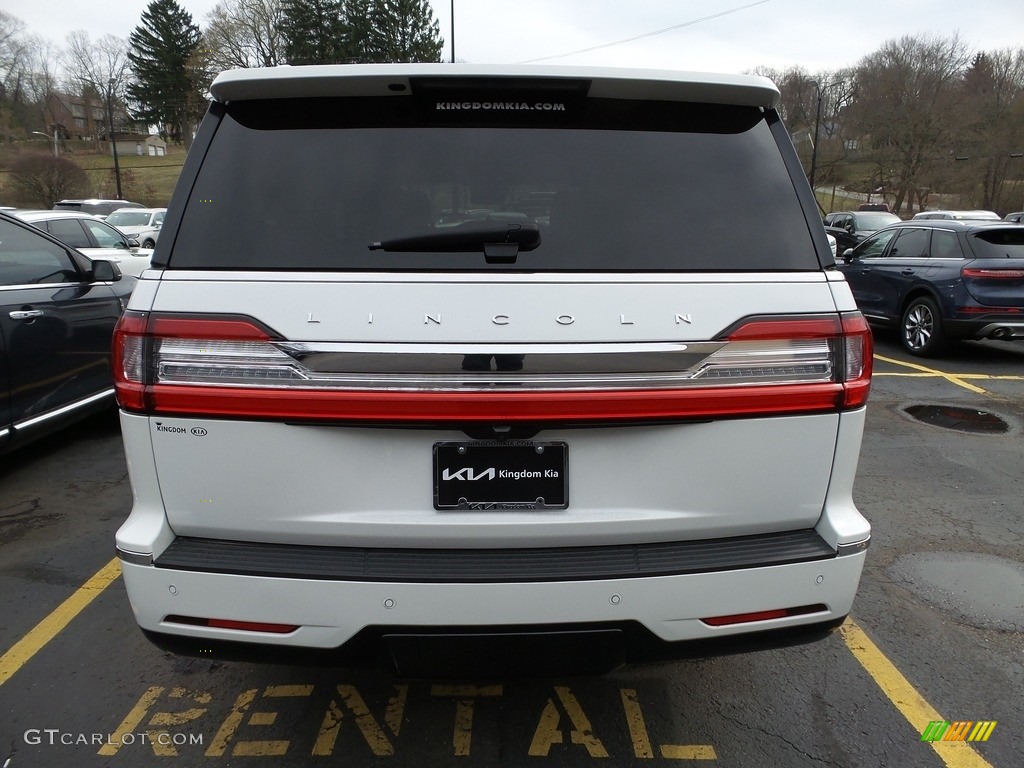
point(91, 237)
point(143, 224)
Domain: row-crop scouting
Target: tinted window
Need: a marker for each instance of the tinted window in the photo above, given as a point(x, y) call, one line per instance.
point(999, 243)
point(874, 247)
point(27, 258)
point(612, 187)
point(69, 231)
point(106, 236)
point(911, 244)
point(945, 245)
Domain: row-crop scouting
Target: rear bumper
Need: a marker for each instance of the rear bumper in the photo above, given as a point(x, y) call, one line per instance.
point(460, 652)
point(1008, 328)
point(428, 628)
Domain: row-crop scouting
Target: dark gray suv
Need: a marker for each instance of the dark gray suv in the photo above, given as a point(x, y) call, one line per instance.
point(941, 280)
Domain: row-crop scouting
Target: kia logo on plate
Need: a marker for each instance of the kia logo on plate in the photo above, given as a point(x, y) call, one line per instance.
point(199, 432)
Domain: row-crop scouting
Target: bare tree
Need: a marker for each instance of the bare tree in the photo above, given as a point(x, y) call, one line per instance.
point(40, 180)
point(12, 69)
point(906, 109)
point(816, 128)
point(99, 64)
point(244, 33)
point(42, 62)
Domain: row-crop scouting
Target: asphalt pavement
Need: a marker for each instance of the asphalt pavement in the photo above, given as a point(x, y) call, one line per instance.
point(935, 635)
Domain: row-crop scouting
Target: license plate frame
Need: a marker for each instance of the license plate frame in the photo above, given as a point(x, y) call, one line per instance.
point(495, 475)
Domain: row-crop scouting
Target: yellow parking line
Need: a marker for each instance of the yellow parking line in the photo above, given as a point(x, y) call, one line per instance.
point(950, 377)
point(911, 704)
point(52, 625)
point(964, 376)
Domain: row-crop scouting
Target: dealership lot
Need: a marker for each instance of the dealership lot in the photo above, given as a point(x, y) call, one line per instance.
point(935, 634)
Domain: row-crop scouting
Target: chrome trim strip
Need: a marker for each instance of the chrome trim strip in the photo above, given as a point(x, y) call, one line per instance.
point(36, 420)
point(526, 359)
point(508, 278)
point(479, 367)
point(852, 549)
point(135, 558)
point(23, 286)
point(4, 433)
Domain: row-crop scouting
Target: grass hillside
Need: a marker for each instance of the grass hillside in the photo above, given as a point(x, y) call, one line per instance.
point(144, 179)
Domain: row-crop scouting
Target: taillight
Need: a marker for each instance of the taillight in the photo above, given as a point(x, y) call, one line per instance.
point(992, 274)
point(233, 367)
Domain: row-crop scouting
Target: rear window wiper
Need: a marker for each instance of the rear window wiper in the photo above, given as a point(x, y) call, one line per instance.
point(500, 243)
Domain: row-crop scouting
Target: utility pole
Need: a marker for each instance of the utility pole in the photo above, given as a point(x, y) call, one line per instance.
point(110, 137)
point(817, 125)
point(453, 31)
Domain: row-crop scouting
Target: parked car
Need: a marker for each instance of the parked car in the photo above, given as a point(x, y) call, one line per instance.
point(1016, 218)
point(92, 237)
point(844, 239)
point(857, 225)
point(57, 315)
point(95, 206)
point(873, 207)
point(143, 224)
point(472, 420)
point(958, 215)
point(941, 280)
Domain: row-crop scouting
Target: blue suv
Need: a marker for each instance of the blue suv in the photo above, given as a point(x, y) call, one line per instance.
point(939, 281)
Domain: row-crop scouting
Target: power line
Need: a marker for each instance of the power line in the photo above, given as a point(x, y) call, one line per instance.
point(646, 34)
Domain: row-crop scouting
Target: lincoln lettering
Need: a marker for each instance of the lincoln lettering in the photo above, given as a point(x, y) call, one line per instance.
point(502, 318)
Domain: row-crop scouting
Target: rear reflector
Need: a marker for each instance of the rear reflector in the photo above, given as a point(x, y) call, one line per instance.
point(233, 367)
point(780, 613)
point(990, 310)
point(248, 626)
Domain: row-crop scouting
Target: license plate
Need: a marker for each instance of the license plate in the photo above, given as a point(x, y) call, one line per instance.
point(500, 475)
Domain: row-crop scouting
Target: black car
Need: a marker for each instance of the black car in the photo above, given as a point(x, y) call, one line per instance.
point(851, 228)
point(57, 315)
point(940, 281)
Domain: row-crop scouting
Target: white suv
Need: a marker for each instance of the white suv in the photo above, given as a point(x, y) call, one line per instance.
point(538, 388)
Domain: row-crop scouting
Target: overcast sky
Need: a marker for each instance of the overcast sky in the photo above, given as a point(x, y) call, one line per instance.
point(711, 35)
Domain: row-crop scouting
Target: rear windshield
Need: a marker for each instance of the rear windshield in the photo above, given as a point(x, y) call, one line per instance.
point(609, 186)
point(129, 218)
point(871, 221)
point(999, 243)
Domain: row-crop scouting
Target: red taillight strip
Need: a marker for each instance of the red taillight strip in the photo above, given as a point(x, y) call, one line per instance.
point(786, 328)
point(992, 274)
point(431, 407)
point(137, 333)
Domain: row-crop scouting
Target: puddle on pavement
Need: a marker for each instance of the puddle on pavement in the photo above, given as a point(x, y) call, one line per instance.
point(986, 592)
point(960, 419)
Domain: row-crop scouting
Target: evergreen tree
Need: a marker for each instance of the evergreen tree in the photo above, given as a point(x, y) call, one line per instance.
point(359, 32)
point(161, 48)
point(314, 31)
point(406, 31)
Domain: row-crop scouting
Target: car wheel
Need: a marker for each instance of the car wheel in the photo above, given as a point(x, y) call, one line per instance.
point(921, 330)
point(148, 244)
